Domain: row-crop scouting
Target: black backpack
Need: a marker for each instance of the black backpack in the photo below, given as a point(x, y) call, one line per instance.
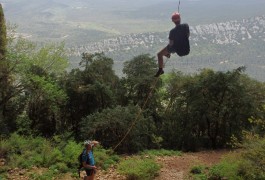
point(181, 40)
point(80, 163)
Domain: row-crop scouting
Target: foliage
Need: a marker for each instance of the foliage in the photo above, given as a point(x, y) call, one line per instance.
point(110, 126)
point(90, 88)
point(21, 154)
point(139, 80)
point(5, 79)
point(177, 111)
point(247, 164)
point(57, 156)
point(227, 168)
point(136, 168)
point(34, 72)
point(105, 158)
point(198, 172)
point(198, 169)
point(39, 98)
point(253, 164)
point(207, 109)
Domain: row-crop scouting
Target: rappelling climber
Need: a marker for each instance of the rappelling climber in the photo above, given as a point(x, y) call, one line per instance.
point(178, 42)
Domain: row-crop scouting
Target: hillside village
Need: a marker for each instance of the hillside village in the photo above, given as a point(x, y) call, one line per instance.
point(231, 32)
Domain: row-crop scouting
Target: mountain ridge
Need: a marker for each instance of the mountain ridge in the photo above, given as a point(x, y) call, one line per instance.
point(231, 32)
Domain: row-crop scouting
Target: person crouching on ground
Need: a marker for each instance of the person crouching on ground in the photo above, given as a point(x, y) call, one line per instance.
point(88, 160)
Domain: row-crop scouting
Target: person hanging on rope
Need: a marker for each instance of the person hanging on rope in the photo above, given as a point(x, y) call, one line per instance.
point(178, 42)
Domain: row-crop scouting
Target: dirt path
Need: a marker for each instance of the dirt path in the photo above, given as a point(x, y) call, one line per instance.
point(178, 167)
point(174, 167)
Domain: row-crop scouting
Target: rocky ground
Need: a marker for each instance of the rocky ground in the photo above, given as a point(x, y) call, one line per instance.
point(178, 167)
point(173, 167)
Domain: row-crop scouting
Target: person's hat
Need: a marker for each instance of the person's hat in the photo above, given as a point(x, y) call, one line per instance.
point(175, 17)
point(92, 143)
point(88, 142)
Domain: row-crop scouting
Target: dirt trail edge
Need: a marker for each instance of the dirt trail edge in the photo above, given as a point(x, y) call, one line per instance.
point(178, 167)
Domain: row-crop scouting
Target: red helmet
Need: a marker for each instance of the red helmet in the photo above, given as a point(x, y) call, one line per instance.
point(175, 17)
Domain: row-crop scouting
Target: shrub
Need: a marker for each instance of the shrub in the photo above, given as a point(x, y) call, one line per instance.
point(227, 168)
point(59, 167)
point(137, 168)
point(197, 169)
point(110, 125)
point(52, 156)
point(248, 164)
point(59, 157)
point(200, 177)
point(252, 165)
point(3, 176)
point(198, 172)
point(17, 144)
point(4, 148)
point(71, 152)
point(105, 158)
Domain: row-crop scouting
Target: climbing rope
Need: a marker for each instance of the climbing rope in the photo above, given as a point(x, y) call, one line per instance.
point(178, 6)
point(141, 109)
point(139, 112)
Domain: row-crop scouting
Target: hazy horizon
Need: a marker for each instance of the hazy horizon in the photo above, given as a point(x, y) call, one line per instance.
point(122, 12)
point(85, 24)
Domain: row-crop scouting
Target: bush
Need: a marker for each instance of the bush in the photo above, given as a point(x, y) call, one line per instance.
point(59, 167)
point(197, 169)
point(59, 156)
point(227, 168)
point(252, 165)
point(110, 125)
point(248, 164)
point(4, 148)
point(105, 158)
point(71, 152)
point(200, 177)
point(137, 168)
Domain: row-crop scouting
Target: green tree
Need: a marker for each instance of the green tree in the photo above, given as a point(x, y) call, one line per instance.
point(5, 80)
point(90, 88)
point(44, 106)
point(44, 98)
point(207, 109)
point(139, 80)
point(256, 90)
point(35, 95)
point(110, 126)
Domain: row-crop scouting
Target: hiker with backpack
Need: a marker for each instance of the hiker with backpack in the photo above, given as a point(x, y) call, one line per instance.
point(178, 42)
point(87, 161)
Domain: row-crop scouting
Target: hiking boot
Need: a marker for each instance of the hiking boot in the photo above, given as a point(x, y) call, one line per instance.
point(159, 72)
